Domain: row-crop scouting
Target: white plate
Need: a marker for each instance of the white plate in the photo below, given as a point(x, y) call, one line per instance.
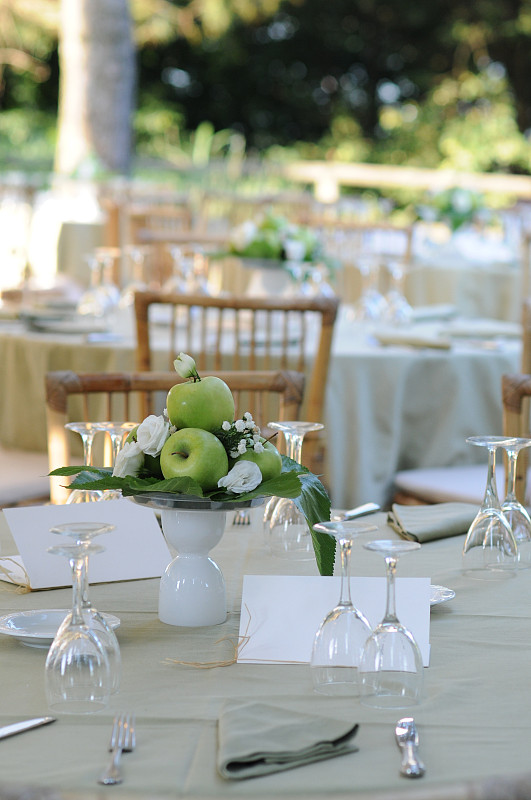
point(76, 325)
point(440, 594)
point(37, 628)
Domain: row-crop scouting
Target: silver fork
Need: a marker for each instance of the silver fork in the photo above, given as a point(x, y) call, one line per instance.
point(123, 740)
point(241, 517)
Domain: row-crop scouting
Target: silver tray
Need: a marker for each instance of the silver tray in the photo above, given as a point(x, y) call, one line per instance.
point(187, 502)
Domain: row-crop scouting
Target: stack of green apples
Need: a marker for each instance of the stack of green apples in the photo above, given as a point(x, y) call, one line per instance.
point(198, 409)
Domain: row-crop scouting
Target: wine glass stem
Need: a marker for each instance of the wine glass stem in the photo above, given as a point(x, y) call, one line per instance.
point(85, 602)
point(491, 493)
point(390, 608)
point(345, 549)
point(88, 439)
point(294, 445)
point(512, 456)
point(116, 439)
point(76, 564)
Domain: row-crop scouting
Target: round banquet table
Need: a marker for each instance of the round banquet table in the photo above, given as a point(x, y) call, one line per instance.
point(474, 723)
point(387, 408)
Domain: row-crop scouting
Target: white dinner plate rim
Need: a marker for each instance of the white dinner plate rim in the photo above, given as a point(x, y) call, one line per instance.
point(440, 594)
point(40, 633)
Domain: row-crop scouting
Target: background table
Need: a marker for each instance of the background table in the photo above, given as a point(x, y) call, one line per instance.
point(387, 408)
point(474, 721)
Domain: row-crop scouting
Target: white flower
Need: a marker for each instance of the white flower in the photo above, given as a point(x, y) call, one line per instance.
point(226, 426)
point(234, 453)
point(129, 460)
point(151, 434)
point(243, 477)
point(185, 366)
point(243, 235)
point(258, 447)
point(295, 250)
point(242, 446)
point(239, 425)
point(248, 416)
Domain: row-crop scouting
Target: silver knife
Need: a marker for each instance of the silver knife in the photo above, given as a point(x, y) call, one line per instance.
point(19, 727)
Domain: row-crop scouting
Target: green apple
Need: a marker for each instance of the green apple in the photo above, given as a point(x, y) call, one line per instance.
point(269, 461)
point(197, 454)
point(205, 403)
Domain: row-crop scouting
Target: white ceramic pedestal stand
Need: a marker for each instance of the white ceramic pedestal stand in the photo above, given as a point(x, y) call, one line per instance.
point(192, 589)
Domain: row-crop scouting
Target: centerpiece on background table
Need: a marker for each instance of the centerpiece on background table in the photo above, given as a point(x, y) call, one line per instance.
point(275, 242)
point(195, 463)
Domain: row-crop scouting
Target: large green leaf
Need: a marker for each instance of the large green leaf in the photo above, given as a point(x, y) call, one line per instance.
point(295, 482)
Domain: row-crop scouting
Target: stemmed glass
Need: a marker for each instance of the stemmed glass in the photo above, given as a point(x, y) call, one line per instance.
point(87, 431)
point(398, 311)
point(136, 283)
point(513, 511)
point(77, 673)
point(289, 536)
point(391, 672)
point(116, 431)
point(82, 533)
point(490, 549)
point(343, 632)
point(372, 305)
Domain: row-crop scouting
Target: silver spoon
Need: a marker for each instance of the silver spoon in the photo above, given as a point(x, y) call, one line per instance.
point(407, 738)
point(358, 511)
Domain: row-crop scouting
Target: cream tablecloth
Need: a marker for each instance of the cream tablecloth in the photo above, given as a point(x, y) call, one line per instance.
point(474, 721)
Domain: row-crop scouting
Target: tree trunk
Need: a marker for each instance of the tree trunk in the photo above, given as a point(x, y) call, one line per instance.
point(97, 81)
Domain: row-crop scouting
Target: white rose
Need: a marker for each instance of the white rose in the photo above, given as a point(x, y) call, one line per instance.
point(128, 461)
point(243, 477)
point(295, 250)
point(185, 366)
point(243, 235)
point(151, 434)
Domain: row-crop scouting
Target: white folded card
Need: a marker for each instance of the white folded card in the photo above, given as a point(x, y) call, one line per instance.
point(280, 614)
point(135, 549)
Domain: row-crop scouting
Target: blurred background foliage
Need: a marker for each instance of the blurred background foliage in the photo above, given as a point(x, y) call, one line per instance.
point(439, 84)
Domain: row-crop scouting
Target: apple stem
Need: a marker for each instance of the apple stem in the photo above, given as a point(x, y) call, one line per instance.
point(269, 438)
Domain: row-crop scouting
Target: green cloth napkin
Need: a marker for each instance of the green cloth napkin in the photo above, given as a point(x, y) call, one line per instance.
point(256, 739)
point(426, 523)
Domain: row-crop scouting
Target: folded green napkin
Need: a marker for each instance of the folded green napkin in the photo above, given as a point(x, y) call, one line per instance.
point(426, 523)
point(256, 739)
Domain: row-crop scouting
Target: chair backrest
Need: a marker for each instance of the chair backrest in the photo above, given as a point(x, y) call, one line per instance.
point(516, 391)
point(92, 397)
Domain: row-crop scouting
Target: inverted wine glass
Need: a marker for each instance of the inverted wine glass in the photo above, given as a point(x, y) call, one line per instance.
point(77, 673)
point(391, 672)
point(117, 432)
point(82, 534)
point(372, 305)
point(289, 535)
point(398, 311)
point(514, 512)
point(490, 550)
point(343, 632)
point(87, 431)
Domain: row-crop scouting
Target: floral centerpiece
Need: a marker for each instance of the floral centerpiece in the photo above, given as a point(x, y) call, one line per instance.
point(456, 207)
point(275, 237)
point(197, 448)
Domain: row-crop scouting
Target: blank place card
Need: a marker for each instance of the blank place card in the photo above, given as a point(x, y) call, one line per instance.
point(280, 614)
point(135, 549)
